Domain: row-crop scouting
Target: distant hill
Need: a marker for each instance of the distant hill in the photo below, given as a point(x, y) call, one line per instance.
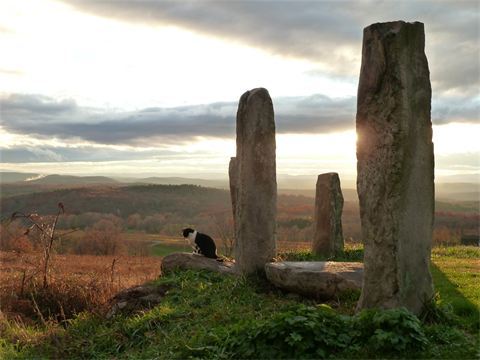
point(185, 201)
point(73, 180)
point(222, 184)
point(15, 183)
point(10, 177)
point(348, 194)
point(7, 177)
point(457, 191)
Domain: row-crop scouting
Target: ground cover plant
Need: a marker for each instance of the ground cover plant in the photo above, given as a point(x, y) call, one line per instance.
point(207, 315)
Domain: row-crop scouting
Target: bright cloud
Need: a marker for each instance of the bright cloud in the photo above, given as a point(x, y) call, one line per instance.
point(112, 87)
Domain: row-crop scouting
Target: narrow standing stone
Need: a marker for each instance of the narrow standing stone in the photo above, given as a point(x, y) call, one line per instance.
point(233, 176)
point(395, 166)
point(256, 201)
point(328, 237)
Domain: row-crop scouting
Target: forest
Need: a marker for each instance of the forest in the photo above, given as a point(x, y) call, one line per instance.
point(118, 216)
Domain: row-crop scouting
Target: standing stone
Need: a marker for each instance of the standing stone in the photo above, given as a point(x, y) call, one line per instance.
point(233, 176)
point(395, 166)
point(328, 237)
point(256, 200)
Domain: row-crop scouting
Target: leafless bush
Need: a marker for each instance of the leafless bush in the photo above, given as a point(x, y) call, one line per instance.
point(222, 224)
point(103, 238)
point(44, 229)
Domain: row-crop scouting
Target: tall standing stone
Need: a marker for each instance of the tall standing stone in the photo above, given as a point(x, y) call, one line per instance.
point(395, 166)
point(256, 200)
point(328, 236)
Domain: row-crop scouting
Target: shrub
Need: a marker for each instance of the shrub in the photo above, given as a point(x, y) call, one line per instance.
point(303, 331)
point(395, 330)
point(319, 332)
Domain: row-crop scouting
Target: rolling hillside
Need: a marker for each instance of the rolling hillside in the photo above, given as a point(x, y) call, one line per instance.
point(122, 201)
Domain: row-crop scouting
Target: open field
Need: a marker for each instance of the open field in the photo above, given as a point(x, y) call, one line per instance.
point(75, 283)
point(162, 245)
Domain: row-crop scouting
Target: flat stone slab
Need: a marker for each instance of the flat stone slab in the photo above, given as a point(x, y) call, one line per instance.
point(319, 279)
point(189, 261)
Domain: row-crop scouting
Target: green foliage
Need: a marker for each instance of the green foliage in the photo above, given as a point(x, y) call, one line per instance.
point(302, 331)
point(319, 332)
point(459, 252)
point(435, 312)
point(395, 330)
point(351, 253)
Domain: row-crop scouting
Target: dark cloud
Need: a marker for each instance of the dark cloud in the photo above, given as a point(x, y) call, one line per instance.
point(455, 109)
point(29, 154)
point(321, 31)
point(37, 105)
point(20, 154)
point(44, 117)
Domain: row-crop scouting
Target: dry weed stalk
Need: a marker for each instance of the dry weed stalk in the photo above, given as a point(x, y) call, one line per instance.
point(46, 234)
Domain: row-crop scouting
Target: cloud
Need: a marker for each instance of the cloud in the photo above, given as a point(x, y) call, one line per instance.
point(30, 154)
point(36, 105)
point(41, 116)
point(44, 117)
point(47, 154)
point(455, 109)
point(326, 32)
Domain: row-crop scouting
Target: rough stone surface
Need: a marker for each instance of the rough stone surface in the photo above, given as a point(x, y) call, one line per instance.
point(233, 176)
point(319, 279)
point(196, 262)
point(395, 165)
point(136, 299)
point(328, 235)
point(256, 197)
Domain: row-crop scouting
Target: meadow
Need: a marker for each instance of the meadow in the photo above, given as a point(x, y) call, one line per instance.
point(206, 315)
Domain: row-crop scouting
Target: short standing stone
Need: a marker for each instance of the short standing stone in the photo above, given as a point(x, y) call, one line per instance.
point(395, 166)
point(328, 236)
point(256, 201)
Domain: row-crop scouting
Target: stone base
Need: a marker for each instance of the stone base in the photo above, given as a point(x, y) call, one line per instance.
point(195, 261)
point(319, 279)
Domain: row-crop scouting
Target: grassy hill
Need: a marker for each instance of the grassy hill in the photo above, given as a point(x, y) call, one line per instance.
point(205, 315)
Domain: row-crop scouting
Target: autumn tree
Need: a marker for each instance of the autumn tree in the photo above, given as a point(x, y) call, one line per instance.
point(103, 238)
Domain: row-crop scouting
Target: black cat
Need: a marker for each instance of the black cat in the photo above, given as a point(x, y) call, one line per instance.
point(201, 243)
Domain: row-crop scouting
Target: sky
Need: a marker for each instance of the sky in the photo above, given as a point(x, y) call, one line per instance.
point(142, 88)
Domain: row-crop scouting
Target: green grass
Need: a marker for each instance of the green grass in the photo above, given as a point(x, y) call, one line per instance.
point(456, 275)
point(164, 250)
point(207, 315)
point(352, 252)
